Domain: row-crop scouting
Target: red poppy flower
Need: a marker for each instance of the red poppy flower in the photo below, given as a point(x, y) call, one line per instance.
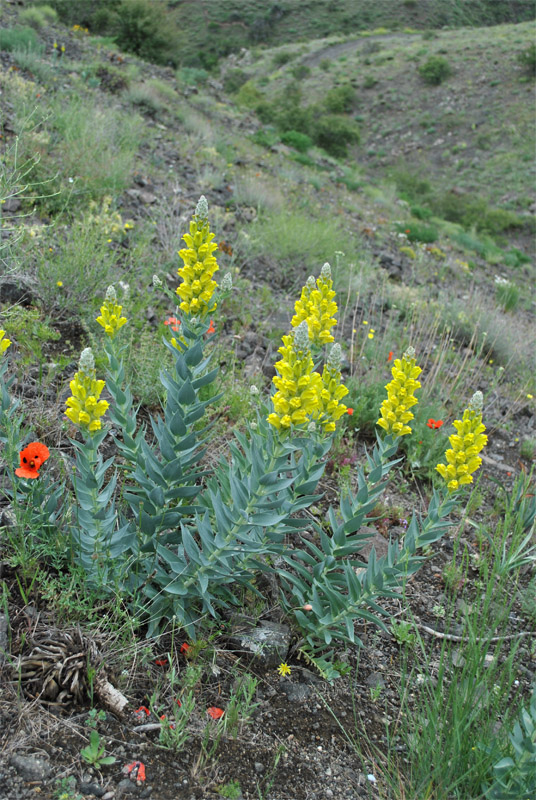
point(178, 702)
point(171, 724)
point(390, 356)
point(136, 770)
point(350, 411)
point(184, 647)
point(160, 662)
point(174, 322)
point(215, 713)
point(211, 328)
point(31, 459)
point(434, 423)
point(141, 711)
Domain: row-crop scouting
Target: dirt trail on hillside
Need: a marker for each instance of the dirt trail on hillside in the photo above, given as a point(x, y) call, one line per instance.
point(335, 50)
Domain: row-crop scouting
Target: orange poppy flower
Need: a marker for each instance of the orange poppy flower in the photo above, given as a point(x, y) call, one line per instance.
point(136, 770)
point(434, 423)
point(31, 460)
point(184, 647)
point(390, 356)
point(350, 411)
point(211, 329)
point(215, 713)
point(174, 322)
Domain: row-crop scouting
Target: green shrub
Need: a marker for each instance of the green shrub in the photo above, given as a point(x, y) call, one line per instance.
point(527, 59)
point(475, 212)
point(192, 76)
point(33, 17)
point(417, 232)
point(340, 99)
point(334, 133)
point(299, 141)
point(81, 12)
point(248, 95)
point(420, 213)
point(435, 70)
point(301, 71)
point(265, 137)
point(143, 27)
point(234, 80)
point(19, 39)
point(280, 59)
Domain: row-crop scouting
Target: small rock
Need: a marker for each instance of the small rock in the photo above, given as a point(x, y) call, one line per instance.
point(31, 768)
point(375, 541)
point(259, 767)
point(375, 679)
point(268, 643)
point(127, 787)
point(457, 659)
point(16, 289)
point(296, 692)
point(92, 788)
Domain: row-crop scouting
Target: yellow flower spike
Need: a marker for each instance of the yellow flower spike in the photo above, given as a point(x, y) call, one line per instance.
point(4, 343)
point(84, 407)
point(465, 445)
point(110, 318)
point(395, 413)
point(197, 286)
point(298, 385)
point(317, 307)
point(331, 392)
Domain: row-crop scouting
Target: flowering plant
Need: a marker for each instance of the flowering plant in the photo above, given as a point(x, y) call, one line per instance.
point(178, 539)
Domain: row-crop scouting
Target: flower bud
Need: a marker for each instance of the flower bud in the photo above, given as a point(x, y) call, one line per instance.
point(325, 272)
point(157, 283)
point(86, 363)
point(111, 296)
point(227, 282)
point(301, 337)
point(201, 209)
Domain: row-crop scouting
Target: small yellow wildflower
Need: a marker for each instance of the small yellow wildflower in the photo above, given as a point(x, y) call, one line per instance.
point(59, 283)
point(111, 319)
point(84, 407)
point(197, 286)
point(371, 333)
point(284, 669)
point(365, 322)
point(395, 413)
point(298, 385)
point(317, 306)
point(4, 343)
point(466, 444)
point(530, 397)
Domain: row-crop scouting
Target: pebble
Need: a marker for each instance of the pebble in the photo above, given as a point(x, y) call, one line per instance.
point(31, 768)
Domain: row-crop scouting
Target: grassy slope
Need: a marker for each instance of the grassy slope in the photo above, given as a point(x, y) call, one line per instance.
point(217, 28)
point(473, 132)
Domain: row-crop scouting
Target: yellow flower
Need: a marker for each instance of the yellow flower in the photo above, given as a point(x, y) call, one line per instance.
point(463, 459)
point(110, 318)
point(59, 283)
point(283, 669)
point(4, 343)
point(298, 385)
point(530, 397)
point(84, 407)
point(331, 392)
point(317, 307)
point(197, 286)
point(395, 413)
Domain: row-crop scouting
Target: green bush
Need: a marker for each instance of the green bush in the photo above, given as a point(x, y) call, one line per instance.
point(334, 133)
point(280, 59)
point(144, 27)
point(19, 39)
point(418, 232)
point(527, 59)
point(192, 76)
point(301, 71)
point(34, 17)
point(234, 80)
point(475, 212)
point(435, 70)
point(248, 95)
point(299, 141)
point(340, 99)
point(82, 12)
